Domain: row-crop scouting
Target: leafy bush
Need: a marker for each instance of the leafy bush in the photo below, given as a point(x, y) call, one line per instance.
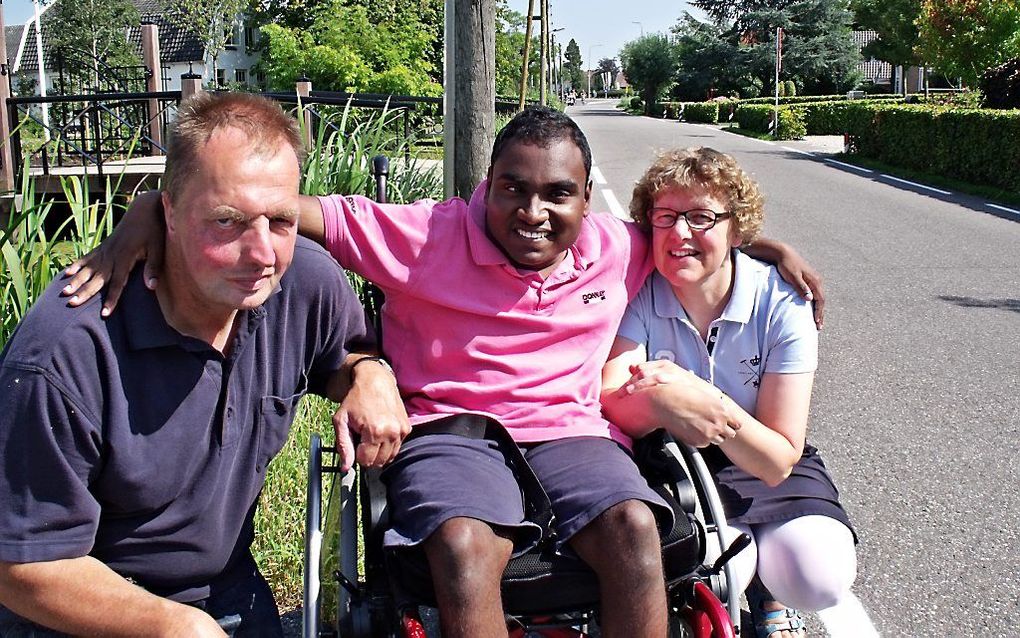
point(707, 112)
point(791, 125)
point(672, 110)
point(825, 118)
point(789, 88)
point(814, 98)
point(1001, 86)
point(974, 145)
point(636, 103)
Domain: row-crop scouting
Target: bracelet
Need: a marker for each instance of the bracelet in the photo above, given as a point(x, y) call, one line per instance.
point(378, 359)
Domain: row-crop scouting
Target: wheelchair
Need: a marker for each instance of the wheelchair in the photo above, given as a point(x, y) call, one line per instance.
point(383, 593)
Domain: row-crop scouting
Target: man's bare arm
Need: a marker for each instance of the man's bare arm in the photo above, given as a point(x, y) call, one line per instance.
point(794, 269)
point(82, 596)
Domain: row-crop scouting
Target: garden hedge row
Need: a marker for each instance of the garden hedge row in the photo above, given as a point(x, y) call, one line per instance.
point(830, 118)
point(973, 145)
point(804, 99)
point(706, 112)
point(758, 118)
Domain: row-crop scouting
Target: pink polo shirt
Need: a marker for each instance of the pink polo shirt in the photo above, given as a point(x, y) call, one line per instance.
point(467, 332)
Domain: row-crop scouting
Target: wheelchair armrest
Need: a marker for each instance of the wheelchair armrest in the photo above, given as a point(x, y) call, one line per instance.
point(660, 466)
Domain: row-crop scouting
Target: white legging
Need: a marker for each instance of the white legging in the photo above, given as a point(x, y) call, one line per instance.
point(808, 563)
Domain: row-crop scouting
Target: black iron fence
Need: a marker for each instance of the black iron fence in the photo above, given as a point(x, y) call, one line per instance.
point(88, 130)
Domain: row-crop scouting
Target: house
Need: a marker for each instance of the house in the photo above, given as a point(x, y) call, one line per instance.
point(180, 52)
point(874, 71)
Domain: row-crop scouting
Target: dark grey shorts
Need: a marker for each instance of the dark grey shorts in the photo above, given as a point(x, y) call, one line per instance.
point(442, 476)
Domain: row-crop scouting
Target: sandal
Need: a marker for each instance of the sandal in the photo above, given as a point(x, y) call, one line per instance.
point(768, 623)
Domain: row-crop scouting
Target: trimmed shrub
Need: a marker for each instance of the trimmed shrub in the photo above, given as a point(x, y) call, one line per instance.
point(636, 103)
point(980, 146)
point(758, 118)
point(672, 110)
point(789, 88)
point(814, 98)
point(754, 117)
point(707, 112)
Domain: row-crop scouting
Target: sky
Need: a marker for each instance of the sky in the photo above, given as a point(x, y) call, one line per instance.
point(601, 26)
point(604, 26)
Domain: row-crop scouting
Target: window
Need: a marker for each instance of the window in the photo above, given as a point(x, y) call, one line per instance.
point(241, 76)
point(232, 36)
point(251, 38)
point(260, 80)
point(221, 77)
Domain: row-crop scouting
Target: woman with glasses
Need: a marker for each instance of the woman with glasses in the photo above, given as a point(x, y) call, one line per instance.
point(721, 352)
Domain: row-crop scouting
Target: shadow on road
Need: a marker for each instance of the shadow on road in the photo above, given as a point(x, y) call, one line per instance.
point(971, 302)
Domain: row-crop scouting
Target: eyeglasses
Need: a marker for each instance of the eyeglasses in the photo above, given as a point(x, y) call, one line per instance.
point(697, 219)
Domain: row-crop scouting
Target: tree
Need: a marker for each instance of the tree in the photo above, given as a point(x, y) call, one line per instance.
point(352, 47)
point(963, 38)
point(709, 64)
point(649, 63)
point(89, 37)
point(211, 21)
point(509, 44)
point(818, 50)
point(895, 22)
point(572, 66)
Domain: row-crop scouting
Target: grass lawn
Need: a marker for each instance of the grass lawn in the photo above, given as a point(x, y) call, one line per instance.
point(280, 521)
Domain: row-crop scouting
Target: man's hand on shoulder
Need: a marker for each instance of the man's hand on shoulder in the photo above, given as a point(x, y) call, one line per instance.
point(139, 236)
point(371, 408)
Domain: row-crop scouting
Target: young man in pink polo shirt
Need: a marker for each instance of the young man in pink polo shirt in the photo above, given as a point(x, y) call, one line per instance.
point(506, 306)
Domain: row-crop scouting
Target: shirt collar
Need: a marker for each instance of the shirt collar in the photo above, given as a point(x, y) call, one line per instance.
point(146, 326)
point(585, 250)
point(739, 307)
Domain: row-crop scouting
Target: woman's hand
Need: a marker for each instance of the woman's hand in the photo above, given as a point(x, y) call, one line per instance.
point(693, 410)
point(139, 236)
point(797, 272)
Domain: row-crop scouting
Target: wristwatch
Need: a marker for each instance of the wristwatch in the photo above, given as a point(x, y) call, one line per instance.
point(380, 360)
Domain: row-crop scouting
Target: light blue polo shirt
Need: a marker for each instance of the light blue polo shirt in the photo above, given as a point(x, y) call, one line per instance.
point(766, 327)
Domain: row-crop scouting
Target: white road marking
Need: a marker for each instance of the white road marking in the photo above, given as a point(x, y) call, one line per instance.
point(596, 175)
point(797, 150)
point(1005, 209)
point(614, 204)
point(916, 185)
point(850, 166)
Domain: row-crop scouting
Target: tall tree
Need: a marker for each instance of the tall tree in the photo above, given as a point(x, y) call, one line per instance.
point(895, 22)
point(509, 46)
point(572, 66)
point(963, 38)
point(650, 65)
point(89, 37)
point(818, 49)
point(709, 64)
point(213, 22)
point(351, 47)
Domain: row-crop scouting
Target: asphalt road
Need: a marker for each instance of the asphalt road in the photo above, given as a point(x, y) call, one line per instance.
point(916, 407)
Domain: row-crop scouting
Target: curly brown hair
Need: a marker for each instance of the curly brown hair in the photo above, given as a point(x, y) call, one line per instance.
point(706, 168)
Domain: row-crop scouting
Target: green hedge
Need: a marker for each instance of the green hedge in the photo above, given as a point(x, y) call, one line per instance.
point(973, 145)
point(758, 117)
point(806, 99)
point(829, 118)
point(706, 112)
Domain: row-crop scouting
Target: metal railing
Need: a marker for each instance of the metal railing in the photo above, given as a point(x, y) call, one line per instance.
point(88, 130)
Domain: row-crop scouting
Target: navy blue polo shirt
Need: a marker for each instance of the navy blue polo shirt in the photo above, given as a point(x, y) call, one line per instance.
point(124, 440)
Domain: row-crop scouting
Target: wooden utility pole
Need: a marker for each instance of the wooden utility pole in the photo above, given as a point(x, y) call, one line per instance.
point(470, 93)
point(527, 51)
point(544, 65)
point(6, 165)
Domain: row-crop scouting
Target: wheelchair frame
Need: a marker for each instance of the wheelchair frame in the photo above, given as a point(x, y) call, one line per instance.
point(365, 606)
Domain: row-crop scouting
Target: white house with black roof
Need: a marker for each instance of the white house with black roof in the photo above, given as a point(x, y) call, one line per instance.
point(180, 52)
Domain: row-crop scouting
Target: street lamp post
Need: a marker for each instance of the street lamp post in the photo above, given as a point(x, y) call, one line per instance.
point(554, 77)
point(590, 47)
point(641, 26)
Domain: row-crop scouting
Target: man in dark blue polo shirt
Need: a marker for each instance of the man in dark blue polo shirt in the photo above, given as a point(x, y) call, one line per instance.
point(133, 448)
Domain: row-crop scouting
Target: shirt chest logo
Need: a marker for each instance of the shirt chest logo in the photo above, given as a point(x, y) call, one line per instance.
point(749, 370)
point(596, 296)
